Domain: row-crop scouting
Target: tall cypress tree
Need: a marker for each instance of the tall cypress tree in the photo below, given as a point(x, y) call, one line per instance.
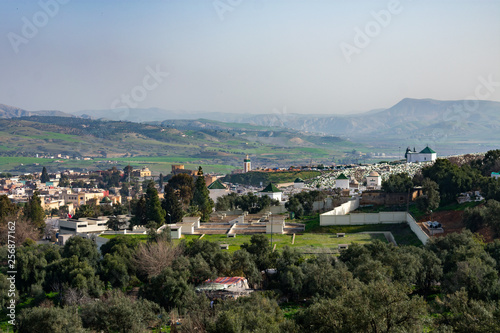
point(160, 182)
point(172, 205)
point(139, 212)
point(34, 212)
point(154, 212)
point(201, 197)
point(45, 176)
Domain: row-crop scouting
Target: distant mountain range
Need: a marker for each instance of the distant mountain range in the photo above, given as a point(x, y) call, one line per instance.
point(7, 111)
point(409, 120)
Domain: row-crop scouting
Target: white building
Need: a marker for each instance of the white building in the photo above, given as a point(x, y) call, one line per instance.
point(217, 189)
point(425, 155)
point(83, 225)
point(342, 182)
point(272, 191)
point(373, 180)
point(495, 175)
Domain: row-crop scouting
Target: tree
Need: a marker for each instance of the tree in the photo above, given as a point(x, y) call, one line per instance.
point(377, 307)
point(430, 200)
point(492, 215)
point(260, 248)
point(255, 313)
point(116, 224)
point(244, 265)
point(125, 191)
point(170, 289)
point(474, 218)
point(138, 212)
point(30, 264)
point(7, 208)
point(451, 178)
point(45, 176)
point(201, 197)
point(84, 249)
point(51, 319)
point(184, 184)
point(155, 215)
point(34, 212)
point(88, 210)
point(464, 314)
point(127, 173)
point(171, 205)
point(397, 183)
point(114, 270)
point(24, 231)
point(119, 313)
point(293, 205)
point(160, 181)
point(152, 258)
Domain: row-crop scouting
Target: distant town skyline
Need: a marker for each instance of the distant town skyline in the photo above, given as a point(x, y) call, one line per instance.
point(243, 56)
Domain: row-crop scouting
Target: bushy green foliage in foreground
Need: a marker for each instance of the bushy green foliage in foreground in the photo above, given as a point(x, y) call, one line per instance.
point(450, 285)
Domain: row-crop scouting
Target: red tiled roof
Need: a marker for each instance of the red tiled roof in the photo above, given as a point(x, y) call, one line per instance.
point(226, 280)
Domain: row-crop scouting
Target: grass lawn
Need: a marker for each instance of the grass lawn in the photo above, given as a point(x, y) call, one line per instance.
point(401, 231)
point(306, 243)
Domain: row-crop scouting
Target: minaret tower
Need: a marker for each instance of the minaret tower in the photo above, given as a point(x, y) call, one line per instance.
point(247, 165)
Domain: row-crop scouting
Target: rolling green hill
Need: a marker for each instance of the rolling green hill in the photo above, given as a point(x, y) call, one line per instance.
point(198, 142)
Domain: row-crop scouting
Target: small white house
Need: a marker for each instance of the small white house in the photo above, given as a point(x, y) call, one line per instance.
point(342, 182)
point(495, 175)
point(217, 189)
point(373, 180)
point(425, 155)
point(272, 191)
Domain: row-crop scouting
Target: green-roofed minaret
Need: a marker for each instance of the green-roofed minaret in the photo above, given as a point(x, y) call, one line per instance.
point(247, 166)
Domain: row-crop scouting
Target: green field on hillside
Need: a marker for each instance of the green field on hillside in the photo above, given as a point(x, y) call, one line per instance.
point(155, 164)
point(218, 146)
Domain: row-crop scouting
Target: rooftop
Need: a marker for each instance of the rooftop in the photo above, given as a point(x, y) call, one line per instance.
point(271, 188)
point(427, 150)
point(216, 185)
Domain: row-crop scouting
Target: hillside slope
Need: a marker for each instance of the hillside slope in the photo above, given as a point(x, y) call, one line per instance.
point(213, 142)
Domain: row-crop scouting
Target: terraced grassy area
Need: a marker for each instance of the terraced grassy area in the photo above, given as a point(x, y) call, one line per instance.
point(305, 243)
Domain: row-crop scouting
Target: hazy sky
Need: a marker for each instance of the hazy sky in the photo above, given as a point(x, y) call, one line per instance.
point(255, 56)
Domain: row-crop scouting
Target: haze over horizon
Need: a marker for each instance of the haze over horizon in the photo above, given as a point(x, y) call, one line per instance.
point(307, 57)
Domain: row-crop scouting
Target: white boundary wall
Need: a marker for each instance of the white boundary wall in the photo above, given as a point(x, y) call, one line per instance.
point(416, 229)
point(332, 218)
point(343, 209)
